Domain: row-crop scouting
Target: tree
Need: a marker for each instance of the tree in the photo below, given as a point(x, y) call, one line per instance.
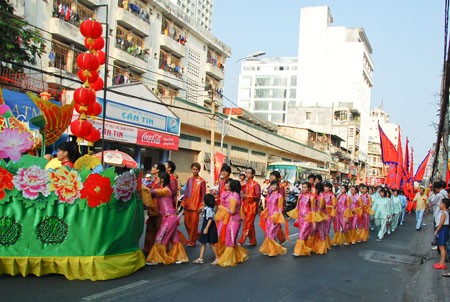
point(19, 43)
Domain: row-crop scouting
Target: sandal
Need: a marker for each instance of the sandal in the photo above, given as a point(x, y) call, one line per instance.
point(216, 261)
point(198, 261)
point(446, 275)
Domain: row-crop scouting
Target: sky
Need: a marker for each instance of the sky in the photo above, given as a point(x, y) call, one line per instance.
point(407, 37)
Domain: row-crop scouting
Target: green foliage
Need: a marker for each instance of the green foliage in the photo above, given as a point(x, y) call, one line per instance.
point(27, 161)
point(19, 43)
point(111, 174)
point(84, 173)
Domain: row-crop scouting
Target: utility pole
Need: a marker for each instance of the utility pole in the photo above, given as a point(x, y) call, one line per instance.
point(213, 134)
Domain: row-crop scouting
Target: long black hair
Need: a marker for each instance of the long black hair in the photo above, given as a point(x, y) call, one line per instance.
point(235, 186)
point(72, 150)
point(164, 178)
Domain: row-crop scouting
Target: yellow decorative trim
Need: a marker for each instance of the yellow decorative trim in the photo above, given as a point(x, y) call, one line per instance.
point(81, 268)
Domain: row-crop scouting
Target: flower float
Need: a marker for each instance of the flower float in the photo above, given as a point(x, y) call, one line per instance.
point(97, 190)
point(66, 184)
point(13, 143)
point(32, 181)
point(125, 186)
point(5, 182)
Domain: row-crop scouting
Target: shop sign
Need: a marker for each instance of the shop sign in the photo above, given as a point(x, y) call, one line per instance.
point(117, 132)
point(141, 118)
point(157, 139)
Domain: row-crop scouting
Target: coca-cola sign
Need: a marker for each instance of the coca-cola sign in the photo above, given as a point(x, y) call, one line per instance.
point(157, 139)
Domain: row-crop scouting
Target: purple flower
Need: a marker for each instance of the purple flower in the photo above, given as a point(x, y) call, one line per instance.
point(13, 143)
point(125, 186)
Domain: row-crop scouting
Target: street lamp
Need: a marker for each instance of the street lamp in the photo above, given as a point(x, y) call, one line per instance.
point(252, 56)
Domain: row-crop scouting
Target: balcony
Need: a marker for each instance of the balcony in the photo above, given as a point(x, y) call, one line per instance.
point(129, 19)
point(65, 30)
point(62, 64)
point(128, 59)
point(170, 79)
point(214, 71)
point(172, 46)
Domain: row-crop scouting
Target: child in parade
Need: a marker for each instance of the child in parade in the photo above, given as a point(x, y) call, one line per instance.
point(208, 232)
point(222, 217)
point(367, 212)
point(404, 202)
point(342, 218)
point(271, 220)
point(330, 207)
point(356, 208)
point(441, 221)
point(382, 210)
point(232, 254)
point(168, 231)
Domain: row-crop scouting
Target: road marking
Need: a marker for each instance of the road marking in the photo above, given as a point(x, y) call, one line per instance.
point(115, 291)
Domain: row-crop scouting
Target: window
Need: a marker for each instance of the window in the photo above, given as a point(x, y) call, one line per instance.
point(279, 106)
point(217, 144)
point(292, 93)
point(308, 116)
point(190, 137)
point(277, 118)
point(246, 81)
point(293, 80)
point(258, 153)
point(261, 105)
point(240, 149)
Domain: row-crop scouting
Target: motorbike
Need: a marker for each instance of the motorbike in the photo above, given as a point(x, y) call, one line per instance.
point(291, 201)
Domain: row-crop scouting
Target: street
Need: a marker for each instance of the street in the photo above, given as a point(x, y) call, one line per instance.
point(389, 270)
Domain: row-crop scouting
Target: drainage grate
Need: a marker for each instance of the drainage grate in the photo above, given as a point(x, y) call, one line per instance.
point(383, 257)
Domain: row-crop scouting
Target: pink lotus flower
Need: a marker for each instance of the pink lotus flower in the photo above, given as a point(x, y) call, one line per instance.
point(125, 186)
point(13, 143)
point(66, 184)
point(32, 181)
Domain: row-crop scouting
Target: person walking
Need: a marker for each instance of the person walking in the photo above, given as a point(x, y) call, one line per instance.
point(342, 219)
point(251, 198)
point(367, 212)
point(272, 218)
point(421, 200)
point(193, 203)
point(382, 210)
point(396, 209)
point(208, 233)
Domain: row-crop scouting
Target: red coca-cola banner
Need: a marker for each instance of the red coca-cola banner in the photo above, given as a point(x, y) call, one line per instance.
point(157, 139)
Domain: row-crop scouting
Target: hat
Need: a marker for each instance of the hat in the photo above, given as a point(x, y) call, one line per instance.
point(148, 175)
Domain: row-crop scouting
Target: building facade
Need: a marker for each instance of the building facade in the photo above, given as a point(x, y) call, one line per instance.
point(200, 10)
point(267, 87)
point(335, 65)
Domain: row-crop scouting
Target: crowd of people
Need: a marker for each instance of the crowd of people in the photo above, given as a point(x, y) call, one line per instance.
point(351, 210)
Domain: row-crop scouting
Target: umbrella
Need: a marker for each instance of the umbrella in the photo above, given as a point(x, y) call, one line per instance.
point(53, 164)
point(117, 158)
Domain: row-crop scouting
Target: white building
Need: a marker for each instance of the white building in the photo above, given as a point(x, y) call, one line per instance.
point(267, 87)
point(200, 10)
point(335, 65)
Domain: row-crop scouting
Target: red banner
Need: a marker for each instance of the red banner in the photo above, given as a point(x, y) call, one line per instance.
point(399, 176)
point(422, 167)
point(219, 159)
point(157, 139)
point(388, 152)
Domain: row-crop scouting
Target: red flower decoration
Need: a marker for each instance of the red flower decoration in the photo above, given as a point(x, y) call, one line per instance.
point(5, 182)
point(97, 190)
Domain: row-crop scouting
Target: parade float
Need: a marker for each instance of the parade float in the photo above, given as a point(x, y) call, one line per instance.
point(83, 222)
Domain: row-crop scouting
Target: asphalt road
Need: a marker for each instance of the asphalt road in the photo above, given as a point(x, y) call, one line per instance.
point(390, 270)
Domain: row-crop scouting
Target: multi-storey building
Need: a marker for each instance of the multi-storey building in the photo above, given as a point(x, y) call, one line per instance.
point(154, 42)
point(376, 171)
point(267, 87)
point(200, 10)
point(335, 65)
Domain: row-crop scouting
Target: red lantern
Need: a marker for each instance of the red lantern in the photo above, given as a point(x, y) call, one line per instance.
point(84, 96)
point(94, 109)
point(80, 128)
point(101, 57)
point(97, 85)
point(93, 136)
point(94, 44)
point(87, 76)
point(80, 109)
point(91, 29)
point(87, 61)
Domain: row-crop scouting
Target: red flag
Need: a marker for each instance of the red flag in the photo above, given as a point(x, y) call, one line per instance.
point(388, 152)
point(390, 179)
point(399, 176)
point(422, 167)
point(406, 163)
point(219, 159)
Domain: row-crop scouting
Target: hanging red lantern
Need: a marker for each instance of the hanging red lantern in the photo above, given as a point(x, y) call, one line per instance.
point(97, 85)
point(94, 44)
point(84, 96)
point(93, 136)
point(87, 61)
point(101, 56)
point(80, 128)
point(80, 109)
point(91, 29)
point(95, 109)
point(87, 76)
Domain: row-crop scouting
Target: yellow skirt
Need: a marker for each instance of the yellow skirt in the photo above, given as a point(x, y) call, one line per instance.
point(178, 252)
point(231, 256)
point(301, 249)
point(158, 254)
point(271, 248)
